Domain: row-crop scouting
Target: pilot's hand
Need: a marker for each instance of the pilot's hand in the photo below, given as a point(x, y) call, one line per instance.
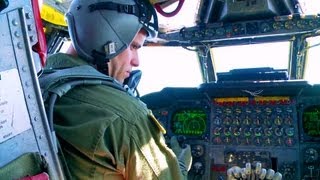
point(183, 154)
point(247, 172)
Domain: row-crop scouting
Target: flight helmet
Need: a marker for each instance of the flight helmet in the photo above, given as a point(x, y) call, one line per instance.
point(101, 29)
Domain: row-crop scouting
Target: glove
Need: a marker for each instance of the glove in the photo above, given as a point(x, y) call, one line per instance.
point(236, 172)
point(183, 154)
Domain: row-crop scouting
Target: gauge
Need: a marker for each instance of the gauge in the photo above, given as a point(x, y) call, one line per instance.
point(288, 121)
point(289, 131)
point(257, 132)
point(288, 171)
point(217, 140)
point(197, 150)
point(278, 131)
point(217, 121)
point(248, 111)
point(278, 121)
point(268, 110)
point(227, 111)
point(289, 25)
point(257, 121)
point(257, 141)
point(278, 110)
point(227, 121)
point(313, 23)
point(209, 32)
point(268, 131)
point(289, 141)
point(238, 29)
point(252, 28)
point(258, 110)
point(311, 155)
point(247, 121)
point(247, 132)
point(236, 131)
point(289, 109)
point(265, 27)
point(279, 141)
point(267, 120)
point(238, 111)
point(220, 31)
point(236, 121)
point(229, 31)
point(227, 131)
point(268, 141)
point(218, 111)
point(277, 25)
point(217, 131)
point(302, 24)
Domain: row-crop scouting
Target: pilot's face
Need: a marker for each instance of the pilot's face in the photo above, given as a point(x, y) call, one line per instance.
point(121, 65)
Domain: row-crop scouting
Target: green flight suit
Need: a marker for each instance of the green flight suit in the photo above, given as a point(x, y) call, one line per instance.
point(107, 134)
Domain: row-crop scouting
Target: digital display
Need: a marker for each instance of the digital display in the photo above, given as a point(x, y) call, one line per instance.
point(311, 121)
point(189, 122)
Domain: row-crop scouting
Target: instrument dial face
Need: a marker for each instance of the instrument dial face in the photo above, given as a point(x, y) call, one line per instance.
point(311, 155)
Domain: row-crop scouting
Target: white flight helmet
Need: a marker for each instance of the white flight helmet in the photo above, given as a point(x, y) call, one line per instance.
point(101, 29)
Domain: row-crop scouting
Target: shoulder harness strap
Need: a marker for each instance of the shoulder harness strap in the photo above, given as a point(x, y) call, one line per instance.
point(61, 81)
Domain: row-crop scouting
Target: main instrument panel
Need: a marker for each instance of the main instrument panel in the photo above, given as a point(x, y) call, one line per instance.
point(227, 126)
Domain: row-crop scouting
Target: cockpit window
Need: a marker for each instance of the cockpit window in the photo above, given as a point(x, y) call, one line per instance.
point(310, 6)
point(168, 67)
point(313, 60)
point(186, 17)
point(274, 55)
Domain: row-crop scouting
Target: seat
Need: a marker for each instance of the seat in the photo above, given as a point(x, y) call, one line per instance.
point(27, 147)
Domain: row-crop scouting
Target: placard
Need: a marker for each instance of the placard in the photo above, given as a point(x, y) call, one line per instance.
point(14, 117)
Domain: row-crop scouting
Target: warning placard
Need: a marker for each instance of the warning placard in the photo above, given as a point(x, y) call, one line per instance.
point(14, 117)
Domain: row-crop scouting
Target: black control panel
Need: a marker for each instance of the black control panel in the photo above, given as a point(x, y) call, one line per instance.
point(220, 33)
point(227, 126)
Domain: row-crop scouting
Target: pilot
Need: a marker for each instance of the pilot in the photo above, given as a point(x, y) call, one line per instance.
point(106, 133)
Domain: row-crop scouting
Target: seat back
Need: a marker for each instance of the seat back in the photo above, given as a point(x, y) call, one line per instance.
point(25, 137)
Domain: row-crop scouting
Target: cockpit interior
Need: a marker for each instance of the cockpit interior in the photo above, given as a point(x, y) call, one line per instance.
point(232, 113)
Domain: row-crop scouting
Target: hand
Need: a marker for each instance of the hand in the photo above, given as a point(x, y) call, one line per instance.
point(236, 172)
point(183, 154)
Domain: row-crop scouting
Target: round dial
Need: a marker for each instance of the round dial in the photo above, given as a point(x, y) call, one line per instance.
point(311, 155)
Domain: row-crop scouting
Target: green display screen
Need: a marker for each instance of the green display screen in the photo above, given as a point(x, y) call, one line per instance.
point(189, 122)
point(311, 121)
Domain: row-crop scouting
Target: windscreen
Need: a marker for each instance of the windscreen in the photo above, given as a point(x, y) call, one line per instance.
point(274, 55)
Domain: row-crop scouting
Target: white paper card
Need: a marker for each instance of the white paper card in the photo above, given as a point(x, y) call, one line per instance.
point(14, 117)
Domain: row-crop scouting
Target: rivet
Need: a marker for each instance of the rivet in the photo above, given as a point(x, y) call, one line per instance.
point(24, 68)
point(19, 45)
point(30, 27)
point(15, 22)
point(17, 34)
point(28, 15)
point(31, 38)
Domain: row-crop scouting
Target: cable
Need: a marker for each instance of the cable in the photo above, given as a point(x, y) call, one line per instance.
point(170, 14)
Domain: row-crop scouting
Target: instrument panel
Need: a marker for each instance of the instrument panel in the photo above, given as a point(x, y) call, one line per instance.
point(226, 33)
point(280, 129)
